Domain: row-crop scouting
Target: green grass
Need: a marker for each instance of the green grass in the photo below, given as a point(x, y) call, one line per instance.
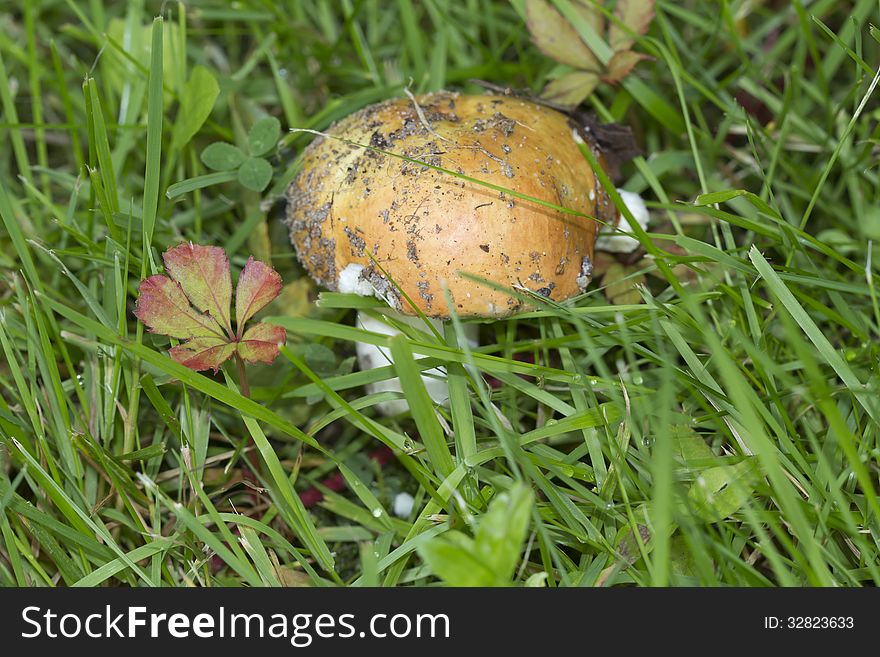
point(720, 428)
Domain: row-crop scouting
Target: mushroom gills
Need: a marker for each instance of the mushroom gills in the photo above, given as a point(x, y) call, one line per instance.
point(371, 356)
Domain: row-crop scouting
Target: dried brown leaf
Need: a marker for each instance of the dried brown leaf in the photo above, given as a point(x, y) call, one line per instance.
point(556, 37)
point(295, 299)
point(589, 12)
point(571, 89)
point(620, 65)
point(635, 15)
point(620, 284)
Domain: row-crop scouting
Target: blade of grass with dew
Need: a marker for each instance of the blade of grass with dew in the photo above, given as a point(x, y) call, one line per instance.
point(421, 407)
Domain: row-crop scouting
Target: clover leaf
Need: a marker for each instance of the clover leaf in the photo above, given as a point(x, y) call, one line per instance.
point(263, 136)
point(221, 156)
point(254, 171)
point(193, 304)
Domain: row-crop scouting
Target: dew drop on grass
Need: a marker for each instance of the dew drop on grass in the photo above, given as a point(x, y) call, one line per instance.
point(377, 513)
point(647, 441)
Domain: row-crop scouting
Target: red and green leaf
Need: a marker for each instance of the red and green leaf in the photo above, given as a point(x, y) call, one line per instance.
point(260, 343)
point(193, 303)
point(164, 308)
point(258, 284)
point(203, 353)
point(203, 273)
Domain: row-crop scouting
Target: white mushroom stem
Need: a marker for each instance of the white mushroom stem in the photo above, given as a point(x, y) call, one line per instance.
point(371, 356)
point(618, 239)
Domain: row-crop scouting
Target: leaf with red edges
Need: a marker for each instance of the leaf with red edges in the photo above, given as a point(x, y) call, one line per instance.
point(203, 273)
point(200, 277)
point(258, 284)
point(260, 343)
point(165, 309)
point(204, 353)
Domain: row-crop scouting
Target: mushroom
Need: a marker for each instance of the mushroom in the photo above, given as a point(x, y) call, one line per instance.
point(369, 223)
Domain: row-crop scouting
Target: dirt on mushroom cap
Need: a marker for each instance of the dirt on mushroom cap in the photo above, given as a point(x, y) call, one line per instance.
point(354, 205)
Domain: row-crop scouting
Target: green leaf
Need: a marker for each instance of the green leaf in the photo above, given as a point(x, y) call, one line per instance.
point(720, 492)
point(689, 448)
point(264, 135)
point(258, 554)
point(630, 541)
point(144, 454)
point(196, 102)
point(320, 358)
point(221, 156)
point(302, 523)
point(67, 567)
point(255, 174)
point(537, 581)
point(502, 531)
point(491, 557)
point(110, 568)
point(453, 558)
point(102, 145)
point(870, 224)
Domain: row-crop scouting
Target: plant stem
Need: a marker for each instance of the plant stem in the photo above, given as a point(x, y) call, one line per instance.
point(245, 388)
point(242, 377)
